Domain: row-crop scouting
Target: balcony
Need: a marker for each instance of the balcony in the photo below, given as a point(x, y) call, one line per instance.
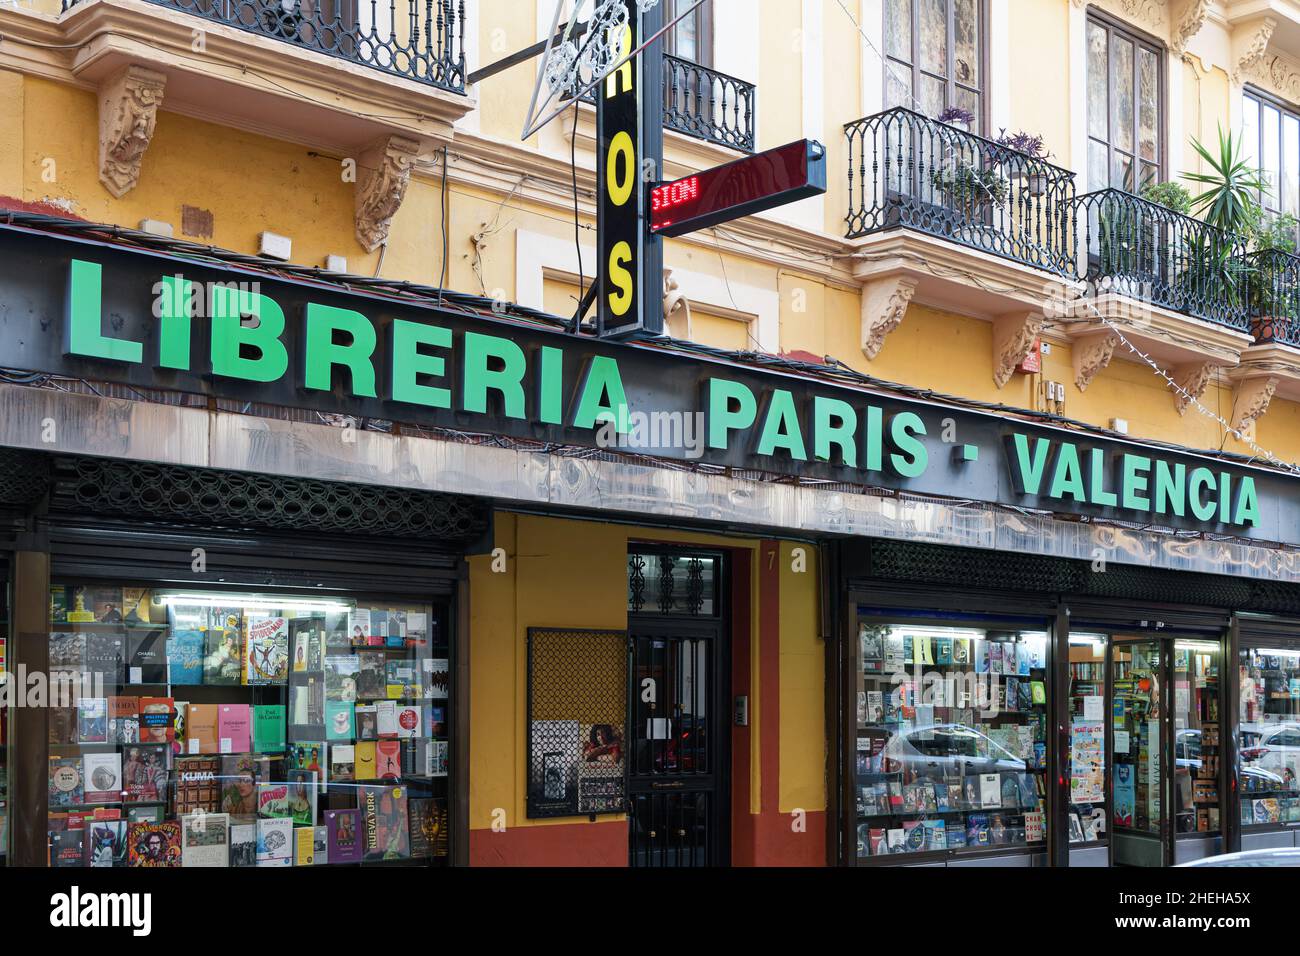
point(908, 171)
point(1273, 281)
point(1142, 250)
point(706, 105)
point(422, 41)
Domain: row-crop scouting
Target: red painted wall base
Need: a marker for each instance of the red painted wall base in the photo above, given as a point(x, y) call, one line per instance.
point(565, 844)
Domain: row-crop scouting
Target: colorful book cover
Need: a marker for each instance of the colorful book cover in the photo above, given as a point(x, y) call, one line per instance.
point(58, 604)
point(105, 843)
point(308, 755)
point(92, 720)
point(201, 728)
point(223, 656)
point(156, 720)
point(106, 656)
point(154, 844)
point(341, 678)
point(428, 821)
point(359, 626)
point(268, 728)
point(384, 831)
point(977, 830)
point(367, 722)
point(339, 723)
point(107, 603)
point(197, 784)
point(205, 839)
point(435, 721)
point(240, 775)
point(307, 639)
point(124, 720)
point(437, 677)
point(943, 650)
point(302, 797)
point(243, 844)
point(1125, 793)
point(185, 657)
point(180, 714)
point(388, 760)
point(408, 720)
point(304, 846)
point(386, 718)
point(273, 800)
point(137, 607)
point(67, 786)
point(342, 762)
point(67, 848)
point(233, 730)
point(275, 842)
point(437, 758)
point(266, 650)
point(378, 628)
point(144, 772)
point(402, 680)
point(103, 777)
point(344, 835)
point(371, 676)
point(146, 657)
point(364, 766)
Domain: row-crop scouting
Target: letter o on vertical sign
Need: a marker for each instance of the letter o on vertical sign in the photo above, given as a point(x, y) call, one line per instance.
point(620, 168)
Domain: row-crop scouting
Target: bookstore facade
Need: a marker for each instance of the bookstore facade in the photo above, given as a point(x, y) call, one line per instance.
point(239, 671)
point(844, 626)
point(1018, 710)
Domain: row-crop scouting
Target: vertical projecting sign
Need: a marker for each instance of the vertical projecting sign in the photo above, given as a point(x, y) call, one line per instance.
point(629, 136)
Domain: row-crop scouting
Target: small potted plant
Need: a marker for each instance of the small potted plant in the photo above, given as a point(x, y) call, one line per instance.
point(971, 187)
point(1032, 146)
point(957, 117)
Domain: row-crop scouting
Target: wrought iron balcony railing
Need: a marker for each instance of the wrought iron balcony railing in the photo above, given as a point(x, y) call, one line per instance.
point(421, 40)
point(706, 104)
point(1141, 249)
point(906, 170)
point(1273, 282)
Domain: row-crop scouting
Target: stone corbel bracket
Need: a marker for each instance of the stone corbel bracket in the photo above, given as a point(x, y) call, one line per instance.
point(381, 188)
point(1249, 46)
point(884, 303)
point(1193, 379)
point(128, 114)
point(1090, 354)
point(1188, 23)
point(1014, 336)
point(1252, 401)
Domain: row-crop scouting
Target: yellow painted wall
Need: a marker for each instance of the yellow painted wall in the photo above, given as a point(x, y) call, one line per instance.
point(1040, 85)
point(803, 684)
point(574, 574)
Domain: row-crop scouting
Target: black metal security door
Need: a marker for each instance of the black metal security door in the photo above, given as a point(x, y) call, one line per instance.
point(677, 770)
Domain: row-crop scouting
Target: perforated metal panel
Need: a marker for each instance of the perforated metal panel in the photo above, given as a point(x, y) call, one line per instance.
point(24, 476)
point(232, 499)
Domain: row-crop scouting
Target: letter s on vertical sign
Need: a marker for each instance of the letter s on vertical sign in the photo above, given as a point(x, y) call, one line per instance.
point(621, 301)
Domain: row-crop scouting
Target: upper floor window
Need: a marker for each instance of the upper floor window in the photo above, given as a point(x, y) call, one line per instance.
point(692, 38)
point(1125, 108)
point(1272, 144)
point(935, 56)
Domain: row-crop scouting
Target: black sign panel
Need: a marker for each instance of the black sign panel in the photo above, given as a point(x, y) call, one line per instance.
point(111, 313)
point(629, 151)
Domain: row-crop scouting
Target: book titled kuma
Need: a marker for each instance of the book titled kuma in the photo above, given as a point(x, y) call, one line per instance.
point(79, 910)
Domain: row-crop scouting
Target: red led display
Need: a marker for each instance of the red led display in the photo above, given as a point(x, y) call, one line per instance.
point(742, 188)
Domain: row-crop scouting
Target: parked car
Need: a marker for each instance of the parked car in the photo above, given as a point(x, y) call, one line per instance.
point(948, 751)
point(1282, 856)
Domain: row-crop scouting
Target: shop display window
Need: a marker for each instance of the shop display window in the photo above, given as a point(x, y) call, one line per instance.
point(1087, 813)
point(1268, 735)
point(951, 738)
point(1196, 737)
point(236, 729)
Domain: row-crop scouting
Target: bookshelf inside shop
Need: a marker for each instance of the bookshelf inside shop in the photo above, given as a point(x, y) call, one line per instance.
point(1087, 757)
point(227, 729)
point(951, 739)
point(1268, 735)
